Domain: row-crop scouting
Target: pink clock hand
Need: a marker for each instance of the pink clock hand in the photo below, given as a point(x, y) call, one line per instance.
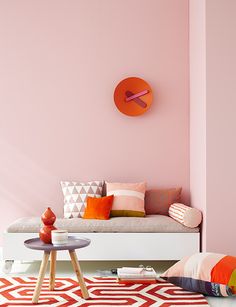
point(139, 101)
point(137, 95)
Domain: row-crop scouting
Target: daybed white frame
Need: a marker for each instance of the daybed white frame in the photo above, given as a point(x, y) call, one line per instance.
point(110, 247)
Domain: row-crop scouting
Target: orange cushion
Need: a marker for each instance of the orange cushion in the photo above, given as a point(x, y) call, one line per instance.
point(98, 208)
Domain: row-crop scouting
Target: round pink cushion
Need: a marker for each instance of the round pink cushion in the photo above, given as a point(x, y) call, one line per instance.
point(190, 217)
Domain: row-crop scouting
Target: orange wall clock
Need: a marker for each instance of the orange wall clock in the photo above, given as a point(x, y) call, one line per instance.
point(133, 96)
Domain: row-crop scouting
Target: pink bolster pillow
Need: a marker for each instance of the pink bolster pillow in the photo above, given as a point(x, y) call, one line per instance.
point(190, 217)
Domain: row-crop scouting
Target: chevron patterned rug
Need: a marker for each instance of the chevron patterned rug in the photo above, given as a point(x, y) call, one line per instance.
point(18, 291)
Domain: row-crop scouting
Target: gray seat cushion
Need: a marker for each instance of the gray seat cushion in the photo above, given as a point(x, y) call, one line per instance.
point(150, 223)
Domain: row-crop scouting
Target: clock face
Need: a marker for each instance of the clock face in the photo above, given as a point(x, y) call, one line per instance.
point(133, 96)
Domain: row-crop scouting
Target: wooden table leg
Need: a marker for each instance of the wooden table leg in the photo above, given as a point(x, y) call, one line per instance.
point(52, 270)
point(76, 267)
point(42, 272)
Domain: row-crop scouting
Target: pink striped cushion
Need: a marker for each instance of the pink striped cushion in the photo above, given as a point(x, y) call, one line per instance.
point(128, 198)
point(190, 217)
point(207, 273)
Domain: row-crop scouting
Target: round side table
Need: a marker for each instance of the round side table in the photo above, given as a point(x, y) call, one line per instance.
point(49, 249)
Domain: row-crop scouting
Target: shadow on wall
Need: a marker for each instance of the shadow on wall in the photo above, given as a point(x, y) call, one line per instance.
point(25, 187)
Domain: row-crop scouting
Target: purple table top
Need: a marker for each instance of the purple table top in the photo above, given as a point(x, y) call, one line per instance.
point(72, 244)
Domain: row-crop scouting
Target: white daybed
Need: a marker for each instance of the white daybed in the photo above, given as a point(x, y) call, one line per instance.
point(155, 237)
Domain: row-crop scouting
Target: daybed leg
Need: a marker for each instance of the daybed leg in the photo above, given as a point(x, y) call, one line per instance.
point(7, 266)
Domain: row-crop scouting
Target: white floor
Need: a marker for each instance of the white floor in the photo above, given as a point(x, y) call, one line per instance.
point(91, 269)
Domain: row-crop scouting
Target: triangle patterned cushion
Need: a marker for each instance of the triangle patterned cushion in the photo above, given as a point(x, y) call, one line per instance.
point(75, 196)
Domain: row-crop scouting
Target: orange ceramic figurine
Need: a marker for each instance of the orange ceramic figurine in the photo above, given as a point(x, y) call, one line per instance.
point(48, 218)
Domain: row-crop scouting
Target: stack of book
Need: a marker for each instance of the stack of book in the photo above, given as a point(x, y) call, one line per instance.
point(129, 275)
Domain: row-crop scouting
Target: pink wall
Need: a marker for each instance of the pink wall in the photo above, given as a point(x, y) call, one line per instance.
point(221, 125)
point(197, 50)
point(212, 128)
point(60, 62)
